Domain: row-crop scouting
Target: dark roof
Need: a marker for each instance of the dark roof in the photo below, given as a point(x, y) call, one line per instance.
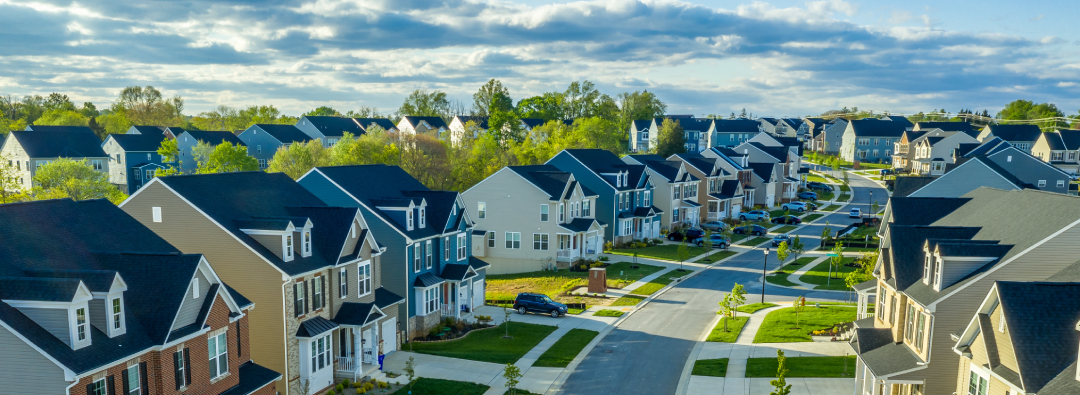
point(906, 249)
point(640, 124)
point(1053, 141)
point(694, 124)
point(878, 128)
point(669, 169)
point(138, 142)
point(973, 248)
point(1016, 132)
point(603, 161)
point(762, 170)
point(646, 211)
point(241, 301)
point(59, 128)
point(147, 129)
point(1071, 139)
point(384, 298)
point(1064, 383)
point(898, 119)
point(286, 134)
point(435, 122)
point(1041, 317)
point(481, 122)
point(988, 147)
point(354, 314)
point(920, 210)
point(95, 280)
point(478, 263)
point(214, 137)
point(729, 189)
point(39, 289)
point(780, 153)
point(548, 178)
point(59, 144)
point(889, 359)
point(427, 279)
point(579, 224)
point(869, 338)
point(964, 127)
point(315, 326)
point(367, 123)
point(456, 272)
point(335, 126)
point(736, 126)
point(865, 285)
point(252, 378)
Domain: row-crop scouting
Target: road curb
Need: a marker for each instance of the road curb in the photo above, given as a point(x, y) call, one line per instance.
point(688, 368)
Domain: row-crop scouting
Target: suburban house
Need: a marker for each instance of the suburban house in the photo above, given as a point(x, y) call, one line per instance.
point(939, 259)
point(434, 126)
point(871, 140)
point(902, 155)
point(1022, 339)
point(720, 190)
point(264, 140)
point(994, 164)
point(428, 259)
point(932, 150)
point(330, 130)
point(775, 168)
point(1059, 148)
point(675, 190)
point(458, 124)
point(780, 127)
point(188, 139)
point(133, 159)
point(643, 133)
point(829, 140)
point(115, 309)
point(312, 269)
point(964, 127)
point(731, 132)
point(560, 229)
point(696, 133)
point(1022, 137)
point(624, 192)
point(808, 129)
point(27, 150)
point(169, 132)
point(737, 164)
point(58, 128)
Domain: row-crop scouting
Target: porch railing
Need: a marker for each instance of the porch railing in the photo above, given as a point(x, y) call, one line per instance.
point(865, 315)
point(346, 364)
point(713, 216)
point(563, 255)
point(448, 310)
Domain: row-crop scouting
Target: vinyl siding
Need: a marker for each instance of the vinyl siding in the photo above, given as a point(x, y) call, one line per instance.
point(604, 205)
point(99, 315)
point(1006, 354)
point(55, 321)
point(350, 243)
point(963, 179)
point(23, 370)
point(253, 140)
point(273, 243)
point(12, 150)
point(189, 309)
point(513, 205)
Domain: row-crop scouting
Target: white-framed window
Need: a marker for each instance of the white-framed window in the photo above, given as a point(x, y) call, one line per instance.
point(481, 210)
point(544, 212)
point(219, 354)
point(408, 219)
point(427, 254)
point(117, 314)
point(924, 320)
point(909, 332)
point(562, 212)
point(258, 148)
point(927, 274)
point(262, 164)
point(320, 353)
point(96, 163)
point(352, 230)
point(446, 248)
point(463, 245)
point(343, 283)
point(647, 201)
point(134, 382)
point(423, 217)
point(864, 142)
point(1056, 155)
point(363, 279)
point(937, 274)
point(586, 210)
point(540, 241)
point(288, 247)
point(307, 243)
point(81, 325)
point(627, 228)
point(98, 387)
point(881, 303)
point(978, 384)
point(156, 212)
point(490, 239)
point(431, 300)
point(1060, 183)
point(513, 240)
point(1042, 183)
point(416, 257)
point(301, 297)
point(150, 174)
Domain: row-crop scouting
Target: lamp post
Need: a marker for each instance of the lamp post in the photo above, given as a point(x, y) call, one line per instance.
point(764, 267)
point(871, 204)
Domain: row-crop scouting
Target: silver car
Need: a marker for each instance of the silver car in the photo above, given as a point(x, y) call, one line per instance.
point(715, 226)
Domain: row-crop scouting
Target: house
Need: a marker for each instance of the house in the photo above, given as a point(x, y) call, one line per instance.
point(434, 126)
point(731, 132)
point(809, 128)
point(643, 133)
point(775, 166)
point(780, 127)
point(898, 119)
point(696, 133)
point(720, 190)
point(330, 130)
point(939, 259)
point(312, 269)
point(964, 127)
point(560, 229)
point(426, 237)
point(1059, 148)
point(133, 159)
point(263, 140)
point(188, 139)
point(831, 137)
point(932, 150)
point(903, 155)
point(115, 309)
point(625, 192)
point(58, 128)
point(871, 140)
point(675, 190)
point(1023, 137)
point(458, 125)
point(170, 132)
point(737, 164)
point(27, 151)
point(994, 164)
point(1022, 340)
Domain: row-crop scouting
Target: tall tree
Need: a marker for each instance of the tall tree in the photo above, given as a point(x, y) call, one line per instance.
point(224, 158)
point(1029, 110)
point(62, 117)
point(421, 103)
point(66, 178)
point(639, 105)
point(671, 139)
point(484, 98)
point(147, 106)
point(323, 111)
point(548, 107)
point(375, 146)
point(297, 159)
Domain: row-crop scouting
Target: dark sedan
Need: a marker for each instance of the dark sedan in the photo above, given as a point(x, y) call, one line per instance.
point(756, 230)
point(689, 234)
point(787, 220)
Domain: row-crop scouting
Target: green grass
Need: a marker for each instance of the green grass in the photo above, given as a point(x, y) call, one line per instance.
point(844, 198)
point(860, 249)
point(574, 311)
point(784, 229)
point(815, 178)
point(802, 261)
point(810, 218)
point(628, 300)
point(779, 325)
point(779, 278)
point(556, 284)
point(778, 213)
point(830, 367)
point(667, 252)
point(717, 256)
point(710, 367)
point(734, 328)
point(824, 196)
point(608, 313)
point(659, 283)
point(831, 207)
point(488, 345)
point(845, 188)
point(755, 307)
point(755, 241)
point(426, 386)
point(566, 348)
point(819, 275)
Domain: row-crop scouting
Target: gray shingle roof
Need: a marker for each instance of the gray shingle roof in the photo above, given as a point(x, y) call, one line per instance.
point(427, 279)
point(286, 134)
point(1016, 132)
point(1064, 383)
point(58, 144)
point(878, 128)
point(138, 142)
point(1041, 317)
point(964, 127)
point(603, 161)
point(354, 314)
point(904, 186)
point(214, 137)
point(456, 272)
point(435, 122)
point(548, 178)
point(59, 128)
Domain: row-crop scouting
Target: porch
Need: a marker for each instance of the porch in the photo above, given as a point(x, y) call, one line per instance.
point(867, 295)
point(357, 352)
point(576, 246)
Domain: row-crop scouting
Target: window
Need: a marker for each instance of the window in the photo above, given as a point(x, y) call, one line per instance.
point(1056, 155)
point(98, 387)
point(937, 275)
point(262, 164)
point(647, 201)
point(96, 163)
point(117, 311)
point(1042, 183)
point(137, 173)
point(423, 217)
point(352, 230)
point(150, 174)
point(881, 303)
point(416, 257)
point(317, 288)
point(258, 148)
point(288, 247)
point(675, 191)
point(1072, 154)
point(513, 240)
point(343, 283)
point(921, 330)
point(543, 212)
point(219, 355)
point(156, 211)
point(876, 141)
point(446, 248)
point(132, 384)
point(675, 215)
point(540, 241)
point(562, 212)
point(408, 219)
point(864, 142)
point(977, 385)
point(431, 300)
point(628, 227)
point(427, 255)
point(181, 373)
point(491, 239)
point(80, 323)
point(481, 210)
point(300, 298)
point(320, 353)
point(364, 278)
point(1060, 183)
point(462, 245)
point(586, 209)
point(909, 332)
point(926, 274)
point(307, 242)
point(892, 310)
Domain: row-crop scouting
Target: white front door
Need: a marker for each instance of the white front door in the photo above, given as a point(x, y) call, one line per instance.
point(645, 229)
point(478, 292)
point(389, 335)
point(463, 295)
point(370, 345)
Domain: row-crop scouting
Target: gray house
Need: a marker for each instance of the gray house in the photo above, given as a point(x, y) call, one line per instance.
point(997, 165)
point(731, 132)
point(264, 140)
point(188, 139)
point(27, 151)
point(1059, 148)
point(330, 130)
point(831, 137)
point(1022, 137)
point(871, 140)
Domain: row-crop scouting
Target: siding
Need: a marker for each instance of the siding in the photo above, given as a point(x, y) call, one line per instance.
point(1031, 170)
point(254, 140)
point(511, 211)
point(273, 243)
point(189, 309)
point(23, 370)
point(963, 179)
point(1006, 354)
point(99, 314)
point(14, 152)
point(55, 321)
point(604, 203)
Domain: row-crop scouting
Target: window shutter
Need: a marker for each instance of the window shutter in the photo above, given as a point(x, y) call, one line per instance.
point(296, 299)
point(142, 373)
point(90, 389)
point(111, 386)
point(124, 380)
point(307, 298)
point(187, 365)
point(239, 344)
point(322, 295)
point(176, 370)
point(346, 279)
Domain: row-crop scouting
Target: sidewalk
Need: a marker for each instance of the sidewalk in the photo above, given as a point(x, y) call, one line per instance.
point(794, 277)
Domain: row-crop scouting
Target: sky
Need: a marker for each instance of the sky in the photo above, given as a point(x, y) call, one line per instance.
point(773, 58)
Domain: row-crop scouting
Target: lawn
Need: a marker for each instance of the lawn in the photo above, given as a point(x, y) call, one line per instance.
point(831, 207)
point(810, 218)
point(628, 300)
point(426, 386)
point(844, 198)
point(488, 345)
point(608, 313)
point(780, 278)
point(717, 256)
point(779, 325)
point(710, 367)
point(779, 213)
point(563, 351)
point(830, 367)
point(734, 328)
point(784, 229)
point(845, 188)
point(556, 284)
point(755, 307)
point(815, 178)
point(659, 283)
point(860, 249)
point(666, 251)
point(755, 241)
point(824, 196)
point(819, 275)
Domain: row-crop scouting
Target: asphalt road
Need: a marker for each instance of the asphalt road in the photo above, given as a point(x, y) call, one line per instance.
point(647, 352)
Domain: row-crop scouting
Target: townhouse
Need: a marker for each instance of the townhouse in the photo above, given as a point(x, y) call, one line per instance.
point(932, 150)
point(643, 133)
point(170, 132)
point(264, 140)
point(994, 164)
point(187, 140)
point(809, 128)
point(696, 133)
point(553, 211)
point(27, 150)
point(775, 169)
point(719, 190)
point(434, 126)
point(115, 310)
point(871, 140)
point(903, 155)
point(1023, 137)
point(831, 137)
point(675, 190)
point(939, 259)
point(731, 132)
point(625, 192)
point(1059, 148)
point(330, 130)
point(426, 236)
point(458, 126)
point(780, 127)
point(133, 159)
point(735, 163)
point(313, 269)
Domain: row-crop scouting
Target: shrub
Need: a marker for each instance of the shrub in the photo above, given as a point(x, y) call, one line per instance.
point(597, 264)
point(345, 383)
point(340, 387)
point(361, 391)
point(330, 392)
point(369, 386)
point(607, 245)
point(604, 259)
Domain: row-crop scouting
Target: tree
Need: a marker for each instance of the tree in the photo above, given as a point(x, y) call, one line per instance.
point(548, 107)
point(729, 306)
point(297, 159)
point(838, 259)
point(421, 103)
point(797, 247)
point(582, 99)
point(506, 322)
point(512, 374)
point(62, 118)
point(482, 99)
point(169, 151)
point(66, 178)
point(147, 106)
point(638, 105)
point(671, 139)
point(410, 372)
point(503, 121)
point(864, 270)
point(9, 182)
point(224, 158)
point(706, 240)
point(323, 111)
point(684, 253)
point(372, 147)
point(874, 208)
point(89, 110)
point(1028, 110)
point(780, 385)
point(782, 251)
point(798, 306)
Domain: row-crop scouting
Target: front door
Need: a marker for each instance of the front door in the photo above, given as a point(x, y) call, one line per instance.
point(371, 344)
point(389, 335)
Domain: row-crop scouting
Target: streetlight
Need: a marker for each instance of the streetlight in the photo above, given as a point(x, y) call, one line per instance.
point(871, 204)
point(763, 269)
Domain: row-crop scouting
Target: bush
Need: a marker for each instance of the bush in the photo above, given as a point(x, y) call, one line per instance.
point(361, 391)
point(597, 264)
point(604, 259)
point(345, 383)
point(340, 388)
point(330, 392)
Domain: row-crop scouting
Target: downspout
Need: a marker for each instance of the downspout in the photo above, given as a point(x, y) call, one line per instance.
point(285, 329)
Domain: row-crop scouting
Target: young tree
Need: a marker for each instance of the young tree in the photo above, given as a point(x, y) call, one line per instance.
point(297, 159)
point(797, 247)
point(838, 259)
point(798, 306)
point(729, 306)
point(224, 158)
point(671, 139)
point(410, 372)
point(874, 208)
point(506, 322)
point(512, 374)
point(706, 240)
point(826, 234)
point(782, 251)
point(780, 385)
point(684, 253)
point(74, 179)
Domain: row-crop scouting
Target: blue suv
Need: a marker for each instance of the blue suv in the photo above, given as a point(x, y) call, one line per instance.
point(540, 303)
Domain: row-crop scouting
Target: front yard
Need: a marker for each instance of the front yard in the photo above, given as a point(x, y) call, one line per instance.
point(735, 326)
point(779, 325)
point(827, 367)
point(717, 256)
point(810, 218)
point(819, 275)
point(557, 284)
point(426, 386)
point(669, 252)
point(488, 345)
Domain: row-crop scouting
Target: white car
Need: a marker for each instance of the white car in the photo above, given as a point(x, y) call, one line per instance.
point(794, 206)
point(855, 213)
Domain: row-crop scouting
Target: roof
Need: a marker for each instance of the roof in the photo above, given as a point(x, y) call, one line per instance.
point(736, 126)
point(1064, 383)
point(898, 119)
point(922, 210)
point(456, 272)
point(435, 122)
point(780, 153)
point(384, 298)
point(669, 169)
point(478, 263)
point(865, 285)
point(315, 326)
point(214, 137)
point(729, 189)
point(888, 359)
point(481, 122)
point(639, 124)
point(354, 314)
point(138, 142)
point(1022, 133)
point(286, 134)
point(907, 249)
point(1071, 139)
point(252, 378)
point(241, 301)
point(604, 161)
point(878, 128)
point(334, 126)
point(39, 289)
point(59, 144)
point(762, 170)
point(59, 128)
point(147, 129)
point(427, 279)
point(1041, 317)
point(548, 178)
point(964, 127)
point(988, 147)
point(579, 225)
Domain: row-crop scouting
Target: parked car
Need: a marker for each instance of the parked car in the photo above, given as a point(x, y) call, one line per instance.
point(811, 206)
point(787, 220)
point(690, 234)
point(715, 226)
point(755, 215)
point(539, 303)
point(855, 213)
point(808, 195)
point(819, 186)
point(780, 239)
point(756, 230)
point(794, 206)
point(718, 241)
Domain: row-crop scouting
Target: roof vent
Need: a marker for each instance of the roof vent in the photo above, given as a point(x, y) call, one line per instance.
point(1008, 158)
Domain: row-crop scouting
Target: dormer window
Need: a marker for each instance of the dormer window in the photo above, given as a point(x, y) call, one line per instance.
point(288, 247)
point(937, 274)
point(352, 230)
point(409, 220)
point(307, 243)
point(117, 314)
point(423, 217)
point(926, 270)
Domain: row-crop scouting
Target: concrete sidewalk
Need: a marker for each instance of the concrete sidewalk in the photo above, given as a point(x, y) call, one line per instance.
point(794, 277)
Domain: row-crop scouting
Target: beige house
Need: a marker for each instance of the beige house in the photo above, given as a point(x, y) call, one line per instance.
point(677, 190)
point(1059, 148)
point(531, 218)
point(434, 126)
point(27, 150)
point(720, 191)
point(313, 270)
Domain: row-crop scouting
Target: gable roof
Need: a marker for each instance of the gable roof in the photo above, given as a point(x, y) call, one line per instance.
point(1015, 132)
point(906, 250)
point(603, 161)
point(137, 142)
point(762, 170)
point(286, 134)
point(898, 119)
point(736, 126)
point(333, 126)
point(59, 128)
point(669, 169)
point(146, 129)
point(548, 178)
point(988, 147)
point(58, 144)
point(481, 122)
point(878, 128)
point(1070, 139)
point(435, 122)
point(963, 127)
point(213, 137)
point(904, 186)
point(1041, 317)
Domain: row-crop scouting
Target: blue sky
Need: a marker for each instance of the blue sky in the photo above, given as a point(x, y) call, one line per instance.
point(777, 58)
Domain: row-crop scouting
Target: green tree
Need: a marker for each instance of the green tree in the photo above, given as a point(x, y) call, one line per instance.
point(638, 105)
point(169, 151)
point(484, 98)
point(89, 110)
point(671, 139)
point(62, 118)
point(323, 111)
point(548, 107)
point(58, 102)
point(782, 251)
point(503, 121)
point(780, 385)
point(512, 374)
point(9, 182)
point(375, 146)
point(410, 372)
point(837, 260)
point(421, 103)
point(684, 253)
point(729, 305)
point(1028, 110)
point(147, 106)
point(224, 158)
point(797, 247)
point(297, 159)
point(706, 240)
point(66, 178)
point(798, 306)
point(826, 234)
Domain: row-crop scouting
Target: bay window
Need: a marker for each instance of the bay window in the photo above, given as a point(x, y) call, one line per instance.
point(320, 353)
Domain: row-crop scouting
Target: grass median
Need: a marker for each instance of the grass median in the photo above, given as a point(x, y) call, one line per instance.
point(735, 326)
point(556, 284)
point(824, 367)
point(488, 345)
point(779, 325)
point(710, 367)
point(608, 313)
point(566, 349)
point(819, 275)
point(755, 307)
